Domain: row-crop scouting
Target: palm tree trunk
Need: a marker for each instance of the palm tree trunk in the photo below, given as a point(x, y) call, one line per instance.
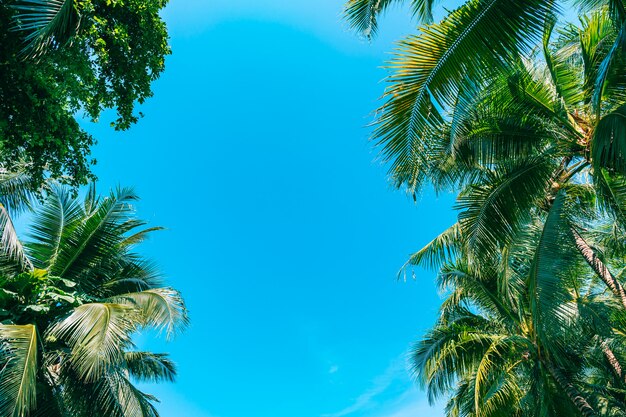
point(610, 356)
point(599, 267)
point(572, 392)
point(611, 282)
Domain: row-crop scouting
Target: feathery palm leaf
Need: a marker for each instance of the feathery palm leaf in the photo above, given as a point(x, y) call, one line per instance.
point(161, 308)
point(46, 23)
point(18, 370)
point(97, 333)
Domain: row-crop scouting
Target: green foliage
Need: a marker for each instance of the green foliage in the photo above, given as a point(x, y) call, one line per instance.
point(61, 59)
point(520, 114)
point(86, 292)
point(18, 376)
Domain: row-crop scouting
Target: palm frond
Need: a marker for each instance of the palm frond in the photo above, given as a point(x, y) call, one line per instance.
point(161, 308)
point(564, 76)
point(11, 246)
point(493, 212)
point(98, 235)
point(18, 370)
point(46, 23)
point(97, 333)
point(554, 257)
point(362, 15)
point(150, 367)
point(17, 191)
point(611, 194)
point(475, 41)
point(438, 251)
point(608, 146)
point(112, 395)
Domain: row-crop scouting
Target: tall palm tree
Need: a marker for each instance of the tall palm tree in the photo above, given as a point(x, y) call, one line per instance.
point(532, 136)
point(528, 338)
point(71, 299)
point(534, 133)
point(462, 54)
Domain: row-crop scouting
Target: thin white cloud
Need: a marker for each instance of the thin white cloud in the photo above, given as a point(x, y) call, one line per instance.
point(380, 384)
point(416, 408)
point(412, 403)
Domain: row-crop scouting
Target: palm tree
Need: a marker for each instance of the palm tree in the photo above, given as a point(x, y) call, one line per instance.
point(462, 54)
point(71, 299)
point(533, 336)
point(532, 135)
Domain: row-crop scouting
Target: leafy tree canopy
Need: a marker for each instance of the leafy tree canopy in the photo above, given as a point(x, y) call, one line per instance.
point(60, 59)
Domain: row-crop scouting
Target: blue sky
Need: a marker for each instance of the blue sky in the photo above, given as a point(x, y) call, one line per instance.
point(282, 231)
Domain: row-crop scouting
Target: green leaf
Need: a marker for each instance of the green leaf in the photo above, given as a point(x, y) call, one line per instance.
point(608, 146)
point(97, 333)
point(18, 361)
point(161, 308)
point(47, 23)
point(474, 42)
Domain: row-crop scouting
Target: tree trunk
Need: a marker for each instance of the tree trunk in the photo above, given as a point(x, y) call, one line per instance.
point(611, 282)
point(598, 266)
point(572, 392)
point(610, 356)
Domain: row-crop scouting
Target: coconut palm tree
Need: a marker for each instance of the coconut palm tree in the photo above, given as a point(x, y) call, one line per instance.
point(533, 139)
point(536, 335)
point(536, 131)
point(71, 299)
point(433, 71)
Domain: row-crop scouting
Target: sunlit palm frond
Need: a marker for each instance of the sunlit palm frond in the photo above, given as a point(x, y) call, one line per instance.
point(128, 274)
point(11, 247)
point(438, 251)
point(97, 333)
point(473, 42)
point(161, 308)
point(363, 15)
point(18, 370)
point(493, 212)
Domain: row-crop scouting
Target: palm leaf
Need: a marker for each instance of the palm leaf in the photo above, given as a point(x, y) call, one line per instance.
point(362, 15)
point(97, 333)
point(611, 193)
point(150, 367)
point(47, 23)
point(161, 308)
point(53, 220)
point(438, 251)
point(111, 395)
point(473, 42)
point(553, 260)
point(493, 212)
point(10, 245)
point(99, 234)
point(16, 191)
point(608, 146)
point(18, 370)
